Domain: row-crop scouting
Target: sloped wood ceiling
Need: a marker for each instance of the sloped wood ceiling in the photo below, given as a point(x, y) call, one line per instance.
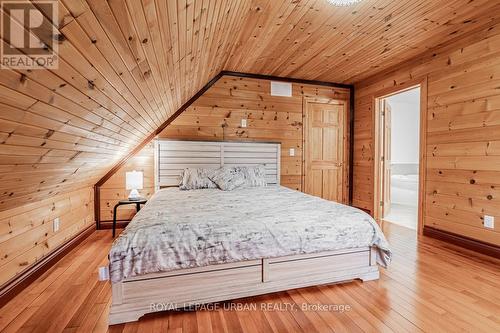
point(126, 66)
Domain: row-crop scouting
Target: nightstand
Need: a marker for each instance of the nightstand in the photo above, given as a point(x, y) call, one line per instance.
point(137, 202)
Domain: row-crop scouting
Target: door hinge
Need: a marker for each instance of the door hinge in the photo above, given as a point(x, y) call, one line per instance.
point(381, 204)
point(383, 113)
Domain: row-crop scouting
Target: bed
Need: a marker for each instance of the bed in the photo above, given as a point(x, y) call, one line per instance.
point(207, 245)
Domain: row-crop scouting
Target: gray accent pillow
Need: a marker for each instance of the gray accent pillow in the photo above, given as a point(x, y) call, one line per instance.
point(255, 176)
point(227, 179)
point(196, 178)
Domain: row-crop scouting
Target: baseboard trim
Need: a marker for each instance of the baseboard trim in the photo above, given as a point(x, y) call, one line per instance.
point(465, 242)
point(364, 210)
point(10, 289)
point(109, 224)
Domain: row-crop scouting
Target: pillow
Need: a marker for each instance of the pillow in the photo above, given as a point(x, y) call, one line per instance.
point(255, 176)
point(227, 179)
point(196, 178)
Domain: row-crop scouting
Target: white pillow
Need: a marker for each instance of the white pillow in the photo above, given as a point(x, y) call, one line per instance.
point(255, 176)
point(196, 178)
point(227, 179)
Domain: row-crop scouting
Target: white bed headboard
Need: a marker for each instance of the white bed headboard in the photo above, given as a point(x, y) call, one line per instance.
point(172, 157)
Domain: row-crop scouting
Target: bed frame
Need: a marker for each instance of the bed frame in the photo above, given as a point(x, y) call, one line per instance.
point(134, 297)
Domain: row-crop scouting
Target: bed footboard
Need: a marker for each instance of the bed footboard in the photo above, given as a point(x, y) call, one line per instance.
point(134, 297)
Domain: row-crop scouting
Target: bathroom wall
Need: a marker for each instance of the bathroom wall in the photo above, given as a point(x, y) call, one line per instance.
point(405, 126)
point(405, 123)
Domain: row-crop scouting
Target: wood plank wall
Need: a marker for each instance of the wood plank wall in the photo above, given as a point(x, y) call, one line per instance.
point(216, 115)
point(114, 189)
point(463, 134)
point(126, 66)
point(26, 232)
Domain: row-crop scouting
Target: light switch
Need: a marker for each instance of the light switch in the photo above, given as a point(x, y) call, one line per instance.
point(292, 152)
point(56, 224)
point(489, 222)
point(243, 123)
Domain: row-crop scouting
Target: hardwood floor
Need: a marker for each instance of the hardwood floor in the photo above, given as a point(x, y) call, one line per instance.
point(430, 286)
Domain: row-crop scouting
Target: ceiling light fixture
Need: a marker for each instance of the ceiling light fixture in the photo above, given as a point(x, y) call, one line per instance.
point(343, 2)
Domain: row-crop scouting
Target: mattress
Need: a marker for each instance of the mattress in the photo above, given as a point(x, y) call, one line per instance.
point(185, 229)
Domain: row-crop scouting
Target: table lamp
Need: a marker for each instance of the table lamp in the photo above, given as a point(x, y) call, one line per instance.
point(133, 182)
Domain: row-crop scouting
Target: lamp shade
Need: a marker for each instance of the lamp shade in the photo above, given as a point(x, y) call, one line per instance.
point(133, 180)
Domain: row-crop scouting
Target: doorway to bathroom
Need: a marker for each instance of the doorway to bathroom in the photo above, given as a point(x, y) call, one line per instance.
point(398, 157)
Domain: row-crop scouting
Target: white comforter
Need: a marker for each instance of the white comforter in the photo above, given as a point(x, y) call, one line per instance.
point(184, 229)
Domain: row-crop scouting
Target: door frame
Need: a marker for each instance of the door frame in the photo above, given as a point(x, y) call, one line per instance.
point(377, 174)
point(384, 105)
point(345, 140)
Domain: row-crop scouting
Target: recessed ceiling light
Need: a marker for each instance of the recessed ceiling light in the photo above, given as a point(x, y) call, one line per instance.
point(343, 2)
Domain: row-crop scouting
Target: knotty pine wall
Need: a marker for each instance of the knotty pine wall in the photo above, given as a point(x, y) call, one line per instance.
point(126, 66)
point(216, 115)
point(463, 133)
point(26, 232)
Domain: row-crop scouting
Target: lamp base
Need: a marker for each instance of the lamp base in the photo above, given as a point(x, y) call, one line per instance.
point(134, 195)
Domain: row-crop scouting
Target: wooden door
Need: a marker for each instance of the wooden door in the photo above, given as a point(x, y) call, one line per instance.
point(386, 158)
point(324, 150)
